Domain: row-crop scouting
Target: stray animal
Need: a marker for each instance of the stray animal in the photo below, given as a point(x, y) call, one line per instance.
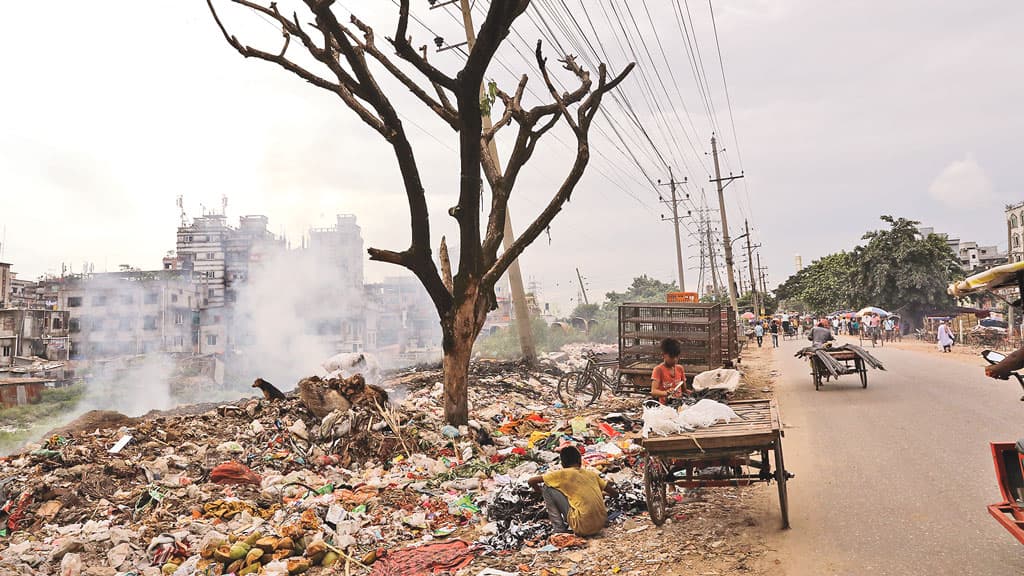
point(270, 392)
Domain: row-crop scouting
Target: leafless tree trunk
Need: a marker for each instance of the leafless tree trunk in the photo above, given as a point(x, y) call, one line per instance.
point(347, 59)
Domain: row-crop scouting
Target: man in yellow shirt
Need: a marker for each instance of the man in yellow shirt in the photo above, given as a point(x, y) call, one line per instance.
point(574, 495)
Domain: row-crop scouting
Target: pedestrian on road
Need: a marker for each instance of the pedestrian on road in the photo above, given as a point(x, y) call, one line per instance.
point(759, 333)
point(945, 338)
point(889, 326)
point(774, 329)
point(820, 335)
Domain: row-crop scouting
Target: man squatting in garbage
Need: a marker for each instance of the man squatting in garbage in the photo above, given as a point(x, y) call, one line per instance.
point(574, 495)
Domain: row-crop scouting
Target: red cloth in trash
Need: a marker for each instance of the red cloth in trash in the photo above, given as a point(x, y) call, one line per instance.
point(425, 560)
point(234, 473)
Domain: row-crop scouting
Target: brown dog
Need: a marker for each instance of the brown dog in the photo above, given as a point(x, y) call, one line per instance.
point(270, 392)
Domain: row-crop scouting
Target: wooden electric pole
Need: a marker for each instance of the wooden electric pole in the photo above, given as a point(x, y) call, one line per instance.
point(674, 203)
point(515, 276)
point(721, 183)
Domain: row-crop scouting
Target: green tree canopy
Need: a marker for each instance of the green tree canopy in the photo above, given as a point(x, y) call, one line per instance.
point(643, 289)
point(898, 268)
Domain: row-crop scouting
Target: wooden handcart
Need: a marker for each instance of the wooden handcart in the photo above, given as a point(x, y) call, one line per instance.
point(736, 453)
point(831, 363)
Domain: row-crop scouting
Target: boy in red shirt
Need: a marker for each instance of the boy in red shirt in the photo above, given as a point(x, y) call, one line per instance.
point(667, 375)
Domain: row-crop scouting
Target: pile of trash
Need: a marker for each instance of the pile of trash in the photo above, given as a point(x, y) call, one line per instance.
point(332, 475)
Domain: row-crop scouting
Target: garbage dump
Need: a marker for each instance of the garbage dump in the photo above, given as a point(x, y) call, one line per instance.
point(332, 476)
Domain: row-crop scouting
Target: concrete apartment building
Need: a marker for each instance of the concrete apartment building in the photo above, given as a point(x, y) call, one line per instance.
point(1015, 231)
point(5, 285)
point(130, 312)
point(26, 333)
point(341, 317)
point(972, 256)
point(218, 257)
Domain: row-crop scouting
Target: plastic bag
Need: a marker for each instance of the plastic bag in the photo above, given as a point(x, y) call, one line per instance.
point(719, 379)
point(706, 413)
point(662, 420)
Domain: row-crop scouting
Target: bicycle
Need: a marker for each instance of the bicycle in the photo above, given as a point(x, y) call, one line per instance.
point(581, 388)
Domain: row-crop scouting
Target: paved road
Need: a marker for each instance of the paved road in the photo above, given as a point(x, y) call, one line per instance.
point(895, 478)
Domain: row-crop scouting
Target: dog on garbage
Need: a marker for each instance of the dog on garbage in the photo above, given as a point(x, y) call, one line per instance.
point(270, 392)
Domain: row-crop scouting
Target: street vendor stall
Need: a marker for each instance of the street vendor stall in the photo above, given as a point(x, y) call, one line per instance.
point(736, 453)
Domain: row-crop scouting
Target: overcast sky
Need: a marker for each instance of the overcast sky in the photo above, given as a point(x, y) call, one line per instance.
point(843, 110)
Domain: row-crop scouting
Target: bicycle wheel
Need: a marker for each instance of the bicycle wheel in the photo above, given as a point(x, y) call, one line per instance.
point(577, 390)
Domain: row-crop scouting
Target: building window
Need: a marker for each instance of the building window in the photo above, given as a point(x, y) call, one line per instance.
point(179, 341)
point(99, 300)
point(174, 298)
point(179, 318)
point(6, 351)
point(211, 340)
point(74, 325)
point(152, 297)
point(124, 324)
point(57, 323)
point(149, 323)
point(1016, 241)
point(74, 301)
point(212, 291)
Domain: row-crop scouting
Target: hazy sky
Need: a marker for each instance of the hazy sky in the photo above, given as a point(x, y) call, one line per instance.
point(844, 110)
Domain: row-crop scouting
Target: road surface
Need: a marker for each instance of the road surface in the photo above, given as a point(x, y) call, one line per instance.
point(895, 478)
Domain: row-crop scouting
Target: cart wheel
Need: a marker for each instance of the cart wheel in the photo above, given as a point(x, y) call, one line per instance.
point(815, 374)
point(863, 373)
point(576, 390)
point(780, 478)
point(656, 489)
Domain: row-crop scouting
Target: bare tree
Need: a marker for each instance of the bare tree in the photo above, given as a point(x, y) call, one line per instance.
point(344, 54)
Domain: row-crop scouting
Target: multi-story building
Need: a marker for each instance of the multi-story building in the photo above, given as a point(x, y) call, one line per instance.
point(342, 246)
point(5, 285)
point(218, 257)
point(1015, 231)
point(974, 257)
point(26, 333)
point(131, 312)
point(971, 256)
point(401, 316)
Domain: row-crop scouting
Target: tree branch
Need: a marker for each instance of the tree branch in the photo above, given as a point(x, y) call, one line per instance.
point(406, 52)
point(442, 108)
point(581, 128)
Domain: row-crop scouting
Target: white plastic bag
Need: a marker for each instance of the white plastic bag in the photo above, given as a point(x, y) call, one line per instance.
point(718, 379)
point(705, 413)
point(662, 420)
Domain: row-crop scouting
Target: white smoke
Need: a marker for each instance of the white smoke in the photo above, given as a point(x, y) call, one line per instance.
point(294, 311)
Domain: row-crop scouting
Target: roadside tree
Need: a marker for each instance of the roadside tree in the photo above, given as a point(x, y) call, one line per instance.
point(346, 60)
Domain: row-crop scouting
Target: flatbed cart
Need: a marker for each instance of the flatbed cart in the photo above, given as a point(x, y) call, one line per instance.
point(842, 360)
point(737, 451)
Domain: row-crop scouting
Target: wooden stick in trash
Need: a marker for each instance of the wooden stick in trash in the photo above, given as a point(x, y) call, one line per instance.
point(347, 558)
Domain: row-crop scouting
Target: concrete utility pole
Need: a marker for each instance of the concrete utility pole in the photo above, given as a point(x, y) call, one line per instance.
point(761, 271)
point(583, 288)
point(750, 264)
point(675, 221)
point(711, 257)
point(718, 180)
point(515, 275)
